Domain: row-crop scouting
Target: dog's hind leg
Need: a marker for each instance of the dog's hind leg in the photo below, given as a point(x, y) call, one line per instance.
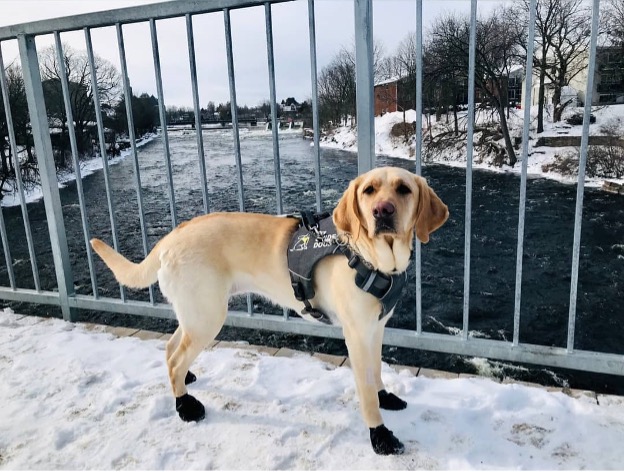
point(172, 345)
point(198, 330)
point(387, 400)
point(187, 406)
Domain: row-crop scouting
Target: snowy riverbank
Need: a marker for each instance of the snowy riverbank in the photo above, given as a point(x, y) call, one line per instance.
point(345, 137)
point(87, 167)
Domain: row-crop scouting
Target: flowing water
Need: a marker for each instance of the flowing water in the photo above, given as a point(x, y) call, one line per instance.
point(546, 264)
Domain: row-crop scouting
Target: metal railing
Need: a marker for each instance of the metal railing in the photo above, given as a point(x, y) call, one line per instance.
point(65, 296)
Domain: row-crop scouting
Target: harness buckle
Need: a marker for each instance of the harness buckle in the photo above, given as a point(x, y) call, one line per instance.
point(309, 221)
point(354, 260)
point(317, 315)
point(298, 290)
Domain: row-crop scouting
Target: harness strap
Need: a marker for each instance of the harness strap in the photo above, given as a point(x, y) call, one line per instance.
point(316, 314)
point(311, 220)
point(387, 288)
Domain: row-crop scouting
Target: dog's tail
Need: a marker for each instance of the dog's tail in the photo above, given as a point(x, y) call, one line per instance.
point(128, 273)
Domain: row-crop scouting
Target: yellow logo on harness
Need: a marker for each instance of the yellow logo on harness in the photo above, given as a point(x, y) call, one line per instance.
point(302, 243)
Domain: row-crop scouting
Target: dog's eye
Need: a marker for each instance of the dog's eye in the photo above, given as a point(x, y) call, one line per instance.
point(403, 189)
point(368, 190)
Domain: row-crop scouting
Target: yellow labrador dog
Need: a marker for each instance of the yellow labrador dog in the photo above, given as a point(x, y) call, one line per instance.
point(204, 261)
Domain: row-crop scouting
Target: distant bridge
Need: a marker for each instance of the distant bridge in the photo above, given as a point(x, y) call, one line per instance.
point(253, 121)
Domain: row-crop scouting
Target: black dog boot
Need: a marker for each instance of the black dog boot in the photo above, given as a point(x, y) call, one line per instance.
point(384, 442)
point(190, 378)
point(389, 401)
point(189, 408)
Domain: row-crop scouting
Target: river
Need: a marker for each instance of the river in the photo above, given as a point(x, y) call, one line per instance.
point(547, 258)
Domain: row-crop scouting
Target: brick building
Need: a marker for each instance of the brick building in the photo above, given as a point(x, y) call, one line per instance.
point(393, 94)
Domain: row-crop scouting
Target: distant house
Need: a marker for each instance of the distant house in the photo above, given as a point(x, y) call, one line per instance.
point(393, 95)
point(514, 85)
point(609, 77)
point(608, 80)
point(290, 105)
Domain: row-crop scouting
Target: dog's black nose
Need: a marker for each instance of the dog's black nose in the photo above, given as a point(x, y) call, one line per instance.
point(383, 210)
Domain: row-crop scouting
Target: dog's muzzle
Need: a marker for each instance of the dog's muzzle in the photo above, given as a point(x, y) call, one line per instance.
point(383, 212)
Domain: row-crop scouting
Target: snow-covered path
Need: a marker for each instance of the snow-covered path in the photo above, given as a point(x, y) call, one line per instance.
point(74, 398)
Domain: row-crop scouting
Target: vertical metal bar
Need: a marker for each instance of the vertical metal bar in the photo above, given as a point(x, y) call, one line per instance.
point(578, 214)
point(418, 157)
point(101, 137)
point(525, 158)
point(20, 185)
point(9, 120)
point(364, 84)
point(47, 172)
point(234, 108)
point(419, 101)
point(163, 121)
point(196, 107)
point(74, 150)
point(127, 91)
point(275, 123)
point(469, 153)
point(7, 250)
point(315, 113)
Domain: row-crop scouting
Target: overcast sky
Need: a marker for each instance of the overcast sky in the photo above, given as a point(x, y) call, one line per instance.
point(393, 20)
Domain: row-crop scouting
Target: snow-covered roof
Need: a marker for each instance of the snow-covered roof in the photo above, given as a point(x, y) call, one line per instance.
point(516, 70)
point(395, 78)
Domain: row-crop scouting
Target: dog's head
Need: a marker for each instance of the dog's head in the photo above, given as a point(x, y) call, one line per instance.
point(389, 202)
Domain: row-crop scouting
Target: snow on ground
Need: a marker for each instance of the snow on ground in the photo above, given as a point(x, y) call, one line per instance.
point(345, 137)
point(79, 399)
point(87, 167)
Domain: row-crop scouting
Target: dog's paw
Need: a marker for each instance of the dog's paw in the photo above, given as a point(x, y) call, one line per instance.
point(384, 442)
point(389, 401)
point(190, 378)
point(189, 408)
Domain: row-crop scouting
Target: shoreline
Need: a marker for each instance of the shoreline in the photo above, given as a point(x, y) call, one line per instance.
point(87, 167)
point(345, 138)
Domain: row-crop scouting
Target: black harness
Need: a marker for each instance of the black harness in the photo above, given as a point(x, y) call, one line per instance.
point(317, 238)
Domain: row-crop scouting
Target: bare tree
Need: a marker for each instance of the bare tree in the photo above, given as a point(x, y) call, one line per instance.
point(337, 84)
point(562, 38)
point(613, 21)
point(23, 138)
point(498, 38)
point(445, 81)
point(405, 68)
point(569, 44)
point(336, 89)
point(81, 89)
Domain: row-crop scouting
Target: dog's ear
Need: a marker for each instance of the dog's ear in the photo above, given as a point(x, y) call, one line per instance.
point(431, 212)
point(347, 214)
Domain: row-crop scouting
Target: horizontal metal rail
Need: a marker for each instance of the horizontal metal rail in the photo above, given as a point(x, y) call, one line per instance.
point(444, 343)
point(157, 11)
point(67, 300)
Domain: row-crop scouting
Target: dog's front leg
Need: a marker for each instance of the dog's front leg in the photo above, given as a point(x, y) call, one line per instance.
point(387, 400)
point(361, 354)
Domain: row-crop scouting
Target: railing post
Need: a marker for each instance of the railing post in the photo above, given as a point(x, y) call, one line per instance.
point(580, 187)
point(525, 161)
point(364, 84)
point(315, 113)
point(47, 171)
point(469, 155)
